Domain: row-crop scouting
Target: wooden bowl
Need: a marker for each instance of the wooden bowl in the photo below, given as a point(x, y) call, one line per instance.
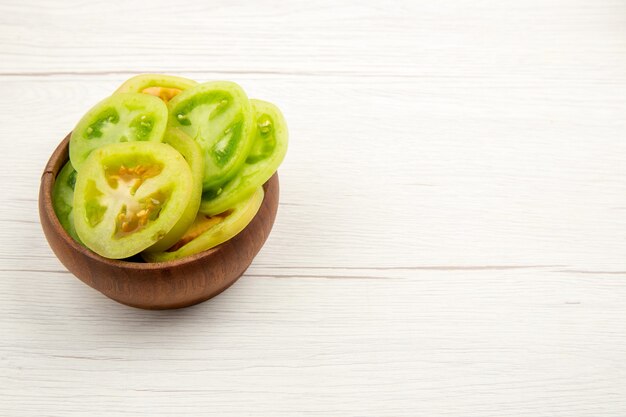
point(172, 284)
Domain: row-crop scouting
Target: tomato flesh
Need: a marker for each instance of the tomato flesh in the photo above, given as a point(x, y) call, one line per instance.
point(268, 151)
point(190, 150)
point(123, 117)
point(218, 115)
point(130, 195)
point(168, 167)
point(63, 199)
point(206, 232)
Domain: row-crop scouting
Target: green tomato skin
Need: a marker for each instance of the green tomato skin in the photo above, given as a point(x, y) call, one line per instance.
point(63, 199)
point(234, 222)
point(217, 115)
point(140, 82)
point(268, 151)
point(122, 117)
point(105, 199)
point(190, 150)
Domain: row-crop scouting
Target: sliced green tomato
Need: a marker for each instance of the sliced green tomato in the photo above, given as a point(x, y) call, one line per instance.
point(63, 199)
point(209, 231)
point(218, 116)
point(123, 117)
point(162, 86)
point(130, 195)
point(190, 150)
point(268, 151)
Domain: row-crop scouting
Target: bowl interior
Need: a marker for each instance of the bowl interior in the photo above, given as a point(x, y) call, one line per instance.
point(170, 284)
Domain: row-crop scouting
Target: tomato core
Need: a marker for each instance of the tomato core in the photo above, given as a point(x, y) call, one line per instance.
point(134, 214)
point(131, 177)
point(135, 217)
point(164, 93)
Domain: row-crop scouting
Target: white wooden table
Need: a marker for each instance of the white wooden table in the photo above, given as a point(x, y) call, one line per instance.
point(451, 237)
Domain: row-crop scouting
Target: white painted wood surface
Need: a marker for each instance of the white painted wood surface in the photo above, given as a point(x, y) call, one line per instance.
point(451, 238)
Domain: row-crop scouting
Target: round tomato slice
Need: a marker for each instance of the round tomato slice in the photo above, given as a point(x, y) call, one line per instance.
point(162, 86)
point(218, 116)
point(130, 195)
point(190, 150)
point(63, 199)
point(123, 117)
point(209, 231)
point(268, 151)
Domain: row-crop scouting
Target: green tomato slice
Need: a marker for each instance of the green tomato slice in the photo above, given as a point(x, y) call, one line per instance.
point(63, 199)
point(190, 150)
point(218, 116)
point(209, 231)
point(268, 151)
point(130, 195)
point(123, 117)
point(162, 86)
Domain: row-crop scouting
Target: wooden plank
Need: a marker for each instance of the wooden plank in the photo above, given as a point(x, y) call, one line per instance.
point(517, 341)
point(432, 181)
point(557, 38)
